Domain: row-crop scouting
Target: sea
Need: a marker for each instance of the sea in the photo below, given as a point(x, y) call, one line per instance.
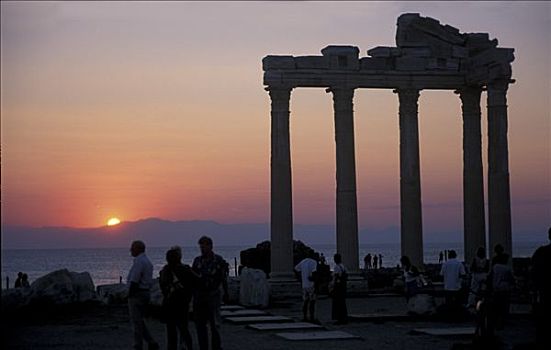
point(110, 265)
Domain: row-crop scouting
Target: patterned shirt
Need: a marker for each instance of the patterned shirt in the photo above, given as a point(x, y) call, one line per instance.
point(212, 271)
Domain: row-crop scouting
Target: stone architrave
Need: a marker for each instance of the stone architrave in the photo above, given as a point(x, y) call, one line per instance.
point(347, 210)
point(499, 201)
point(281, 222)
point(474, 229)
point(411, 226)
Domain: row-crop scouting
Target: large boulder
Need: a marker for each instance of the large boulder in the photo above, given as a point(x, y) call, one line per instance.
point(113, 293)
point(254, 288)
point(259, 257)
point(63, 287)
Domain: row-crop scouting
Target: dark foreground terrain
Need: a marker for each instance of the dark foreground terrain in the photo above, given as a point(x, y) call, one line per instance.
point(108, 327)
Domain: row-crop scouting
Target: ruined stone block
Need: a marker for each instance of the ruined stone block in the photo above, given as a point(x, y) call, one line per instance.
point(436, 63)
point(440, 49)
point(312, 62)
point(278, 62)
point(493, 55)
point(452, 64)
point(499, 71)
point(375, 63)
point(342, 57)
point(395, 51)
point(416, 51)
point(451, 29)
point(379, 51)
point(478, 41)
point(460, 52)
point(410, 63)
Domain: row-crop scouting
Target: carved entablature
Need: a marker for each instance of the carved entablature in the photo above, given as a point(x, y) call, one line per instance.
point(428, 55)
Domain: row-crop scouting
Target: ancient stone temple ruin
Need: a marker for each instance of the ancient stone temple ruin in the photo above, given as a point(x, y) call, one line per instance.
point(428, 55)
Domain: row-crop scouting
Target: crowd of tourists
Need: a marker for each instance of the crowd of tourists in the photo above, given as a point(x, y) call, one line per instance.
point(484, 287)
point(205, 282)
point(373, 261)
point(488, 291)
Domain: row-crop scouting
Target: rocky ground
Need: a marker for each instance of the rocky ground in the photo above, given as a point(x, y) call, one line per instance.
point(107, 327)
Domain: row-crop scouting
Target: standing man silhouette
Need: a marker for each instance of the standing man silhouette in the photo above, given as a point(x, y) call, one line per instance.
point(213, 272)
point(140, 280)
point(307, 268)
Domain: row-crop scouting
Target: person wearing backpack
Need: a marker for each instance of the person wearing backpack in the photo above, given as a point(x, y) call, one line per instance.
point(340, 276)
point(176, 281)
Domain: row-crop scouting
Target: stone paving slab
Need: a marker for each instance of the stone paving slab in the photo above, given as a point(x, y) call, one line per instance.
point(384, 295)
point(231, 307)
point(242, 313)
point(283, 326)
point(258, 319)
point(448, 331)
point(320, 335)
point(379, 317)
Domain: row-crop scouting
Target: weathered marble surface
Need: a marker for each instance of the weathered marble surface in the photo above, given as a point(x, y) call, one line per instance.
point(254, 288)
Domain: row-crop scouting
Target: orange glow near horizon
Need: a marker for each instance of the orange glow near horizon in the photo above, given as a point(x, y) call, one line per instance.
point(167, 116)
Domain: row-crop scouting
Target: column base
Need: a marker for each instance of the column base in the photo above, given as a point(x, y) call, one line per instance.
point(282, 277)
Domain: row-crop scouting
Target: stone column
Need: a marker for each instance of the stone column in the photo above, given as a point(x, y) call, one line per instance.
point(499, 202)
point(474, 230)
point(281, 221)
point(411, 226)
point(347, 210)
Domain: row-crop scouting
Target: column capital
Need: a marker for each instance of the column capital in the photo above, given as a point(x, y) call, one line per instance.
point(407, 91)
point(339, 88)
point(497, 93)
point(341, 94)
point(279, 91)
point(501, 84)
point(470, 100)
point(468, 89)
point(408, 99)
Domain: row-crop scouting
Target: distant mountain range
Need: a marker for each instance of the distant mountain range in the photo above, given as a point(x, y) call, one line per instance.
point(159, 232)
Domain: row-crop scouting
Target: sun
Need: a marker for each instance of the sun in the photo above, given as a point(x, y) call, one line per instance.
point(113, 221)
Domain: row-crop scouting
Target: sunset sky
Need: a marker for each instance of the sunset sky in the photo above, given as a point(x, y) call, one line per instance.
point(148, 109)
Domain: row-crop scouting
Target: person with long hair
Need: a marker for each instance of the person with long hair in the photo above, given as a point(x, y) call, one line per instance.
point(176, 281)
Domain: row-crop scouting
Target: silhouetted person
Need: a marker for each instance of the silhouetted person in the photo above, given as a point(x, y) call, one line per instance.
point(367, 261)
point(445, 255)
point(212, 288)
point(339, 311)
point(25, 281)
point(411, 277)
point(140, 280)
point(18, 280)
point(498, 251)
point(375, 261)
point(380, 261)
point(452, 271)
point(480, 266)
point(176, 281)
point(441, 257)
point(307, 268)
point(500, 284)
point(541, 270)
